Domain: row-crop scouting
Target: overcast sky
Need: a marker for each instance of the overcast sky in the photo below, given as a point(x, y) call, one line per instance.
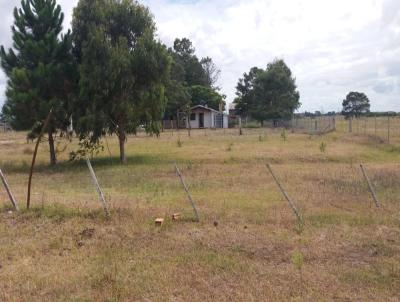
point(332, 46)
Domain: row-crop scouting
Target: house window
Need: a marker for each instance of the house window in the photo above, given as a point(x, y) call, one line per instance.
point(193, 116)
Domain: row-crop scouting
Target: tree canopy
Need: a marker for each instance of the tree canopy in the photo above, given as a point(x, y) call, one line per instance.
point(40, 70)
point(355, 104)
point(245, 92)
point(267, 94)
point(192, 80)
point(211, 72)
point(207, 96)
point(123, 69)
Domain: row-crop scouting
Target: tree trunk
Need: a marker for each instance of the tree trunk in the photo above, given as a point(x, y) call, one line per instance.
point(189, 126)
point(53, 158)
point(122, 139)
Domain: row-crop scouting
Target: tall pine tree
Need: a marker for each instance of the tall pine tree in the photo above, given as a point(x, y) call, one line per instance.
point(40, 70)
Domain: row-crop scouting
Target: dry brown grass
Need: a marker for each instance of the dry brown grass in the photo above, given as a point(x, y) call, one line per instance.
point(64, 249)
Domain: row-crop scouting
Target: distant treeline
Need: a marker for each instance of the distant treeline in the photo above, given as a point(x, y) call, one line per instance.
point(333, 113)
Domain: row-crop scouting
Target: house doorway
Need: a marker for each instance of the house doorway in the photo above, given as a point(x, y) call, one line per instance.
point(201, 120)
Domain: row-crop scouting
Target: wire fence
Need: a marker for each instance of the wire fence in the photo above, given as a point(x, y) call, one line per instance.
point(385, 128)
point(143, 185)
point(4, 127)
point(316, 125)
point(141, 189)
point(123, 187)
point(298, 124)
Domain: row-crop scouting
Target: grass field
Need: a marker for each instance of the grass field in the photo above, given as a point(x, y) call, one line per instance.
point(247, 245)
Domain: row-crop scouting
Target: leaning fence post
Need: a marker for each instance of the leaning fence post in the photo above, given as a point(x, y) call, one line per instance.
point(101, 194)
point(45, 124)
point(12, 199)
point(187, 192)
point(291, 204)
point(371, 189)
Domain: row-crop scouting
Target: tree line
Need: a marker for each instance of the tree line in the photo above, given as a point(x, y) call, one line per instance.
point(272, 93)
point(109, 72)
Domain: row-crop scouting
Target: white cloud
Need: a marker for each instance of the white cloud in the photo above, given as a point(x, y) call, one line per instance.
point(332, 47)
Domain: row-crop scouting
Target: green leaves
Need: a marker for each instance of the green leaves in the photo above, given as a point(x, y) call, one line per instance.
point(207, 96)
point(123, 69)
point(269, 93)
point(192, 81)
point(355, 104)
point(40, 68)
point(297, 260)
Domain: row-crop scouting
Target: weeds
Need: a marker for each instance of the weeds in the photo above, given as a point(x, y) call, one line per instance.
point(322, 147)
point(346, 250)
point(284, 135)
point(179, 143)
point(297, 260)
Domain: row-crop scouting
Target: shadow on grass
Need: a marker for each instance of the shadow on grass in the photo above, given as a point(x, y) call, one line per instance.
point(57, 212)
point(133, 160)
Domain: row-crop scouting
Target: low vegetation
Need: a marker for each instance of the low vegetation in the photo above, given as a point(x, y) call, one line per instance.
point(247, 245)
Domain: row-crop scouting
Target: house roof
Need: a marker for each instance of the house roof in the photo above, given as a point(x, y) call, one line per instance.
point(205, 108)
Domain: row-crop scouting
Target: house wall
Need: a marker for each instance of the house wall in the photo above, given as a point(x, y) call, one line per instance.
point(209, 119)
point(226, 121)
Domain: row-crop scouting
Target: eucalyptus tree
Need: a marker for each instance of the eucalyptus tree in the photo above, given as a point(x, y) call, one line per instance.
point(123, 70)
point(193, 81)
point(211, 71)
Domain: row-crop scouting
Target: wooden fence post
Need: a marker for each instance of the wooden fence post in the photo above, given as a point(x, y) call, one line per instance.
point(358, 125)
point(350, 124)
point(46, 123)
point(10, 195)
point(388, 130)
point(371, 189)
point(365, 126)
point(187, 192)
point(96, 183)
point(292, 122)
point(291, 204)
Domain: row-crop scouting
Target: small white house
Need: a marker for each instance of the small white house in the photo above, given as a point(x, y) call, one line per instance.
point(205, 117)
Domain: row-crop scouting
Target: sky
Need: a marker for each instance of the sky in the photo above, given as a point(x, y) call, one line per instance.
point(332, 46)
